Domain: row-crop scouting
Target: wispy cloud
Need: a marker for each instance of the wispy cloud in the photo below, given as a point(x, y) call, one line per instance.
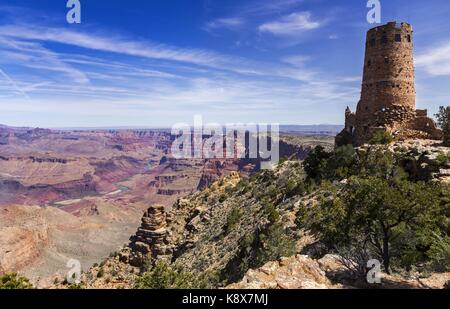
point(18, 37)
point(435, 61)
point(297, 60)
point(263, 8)
point(250, 14)
point(14, 84)
point(231, 23)
point(34, 55)
point(292, 24)
point(122, 45)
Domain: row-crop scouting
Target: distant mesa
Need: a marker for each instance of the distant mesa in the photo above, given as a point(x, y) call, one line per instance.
point(388, 95)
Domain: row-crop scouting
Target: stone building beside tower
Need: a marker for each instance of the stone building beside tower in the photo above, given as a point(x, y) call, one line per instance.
point(388, 96)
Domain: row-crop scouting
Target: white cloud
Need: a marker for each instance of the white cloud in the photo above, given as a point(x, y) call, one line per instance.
point(231, 23)
point(34, 55)
point(262, 8)
point(435, 61)
point(292, 24)
point(121, 45)
point(14, 85)
point(297, 60)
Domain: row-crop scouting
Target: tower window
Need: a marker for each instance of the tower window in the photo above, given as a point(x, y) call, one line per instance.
point(409, 38)
point(398, 37)
point(369, 63)
point(373, 42)
point(384, 39)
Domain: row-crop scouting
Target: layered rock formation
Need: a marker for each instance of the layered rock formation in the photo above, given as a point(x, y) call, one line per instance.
point(149, 243)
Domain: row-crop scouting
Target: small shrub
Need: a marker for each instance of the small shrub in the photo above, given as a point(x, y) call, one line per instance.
point(14, 282)
point(283, 159)
point(233, 218)
point(113, 254)
point(165, 276)
point(229, 190)
point(382, 138)
point(273, 215)
point(223, 197)
point(443, 159)
point(354, 258)
point(256, 249)
point(242, 186)
point(271, 211)
point(76, 286)
point(315, 165)
point(271, 192)
point(275, 242)
point(440, 254)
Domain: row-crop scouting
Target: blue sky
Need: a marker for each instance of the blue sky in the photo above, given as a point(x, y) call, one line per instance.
point(159, 62)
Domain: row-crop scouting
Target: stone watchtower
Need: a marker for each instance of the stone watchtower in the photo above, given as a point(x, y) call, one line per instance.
point(388, 96)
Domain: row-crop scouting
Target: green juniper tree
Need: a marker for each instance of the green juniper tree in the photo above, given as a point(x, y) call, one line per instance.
point(379, 212)
point(443, 118)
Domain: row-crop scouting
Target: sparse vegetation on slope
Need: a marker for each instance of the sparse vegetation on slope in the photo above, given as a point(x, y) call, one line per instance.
point(376, 201)
point(165, 276)
point(14, 282)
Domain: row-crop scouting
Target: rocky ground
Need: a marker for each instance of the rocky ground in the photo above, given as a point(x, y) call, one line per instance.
point(297, 272)
point(424, 158)
point(303, 272)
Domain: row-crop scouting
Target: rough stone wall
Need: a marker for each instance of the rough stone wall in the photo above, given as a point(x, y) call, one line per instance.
point(388, 95)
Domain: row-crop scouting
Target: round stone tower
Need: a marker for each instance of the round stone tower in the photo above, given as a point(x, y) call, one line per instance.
point(388, 95)
point(388, 80)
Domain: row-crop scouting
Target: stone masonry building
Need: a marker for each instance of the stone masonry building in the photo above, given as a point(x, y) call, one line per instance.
point(388, 96)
